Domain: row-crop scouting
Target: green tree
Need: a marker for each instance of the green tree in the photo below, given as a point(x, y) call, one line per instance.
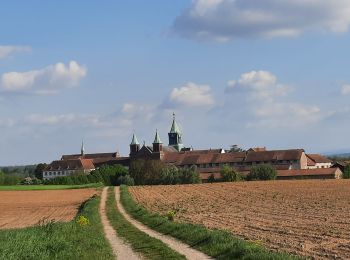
point(346, 173)
point(262, 172)
point(190, 175)
point(236, 148)
point(38, 172)
point(228, 174)
point(2, 178)
point(136, 171)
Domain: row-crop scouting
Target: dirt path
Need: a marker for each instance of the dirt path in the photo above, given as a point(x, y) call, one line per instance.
point(173, 243)
point(121, 249)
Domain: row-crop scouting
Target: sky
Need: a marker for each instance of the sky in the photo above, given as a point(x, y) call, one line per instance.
point(246, 72)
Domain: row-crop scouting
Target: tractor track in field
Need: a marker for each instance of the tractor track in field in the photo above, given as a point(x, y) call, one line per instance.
point(173, 243)
point(121, 249)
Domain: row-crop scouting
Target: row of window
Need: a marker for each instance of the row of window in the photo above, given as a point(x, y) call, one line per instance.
point(58, 173)
point(212, 165)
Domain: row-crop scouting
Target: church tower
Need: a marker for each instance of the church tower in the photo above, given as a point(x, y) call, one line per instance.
point(134, 145)
point(175, 136)
point(157, 143)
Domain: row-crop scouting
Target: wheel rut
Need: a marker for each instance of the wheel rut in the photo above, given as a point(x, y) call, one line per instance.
point(120, 248)
point(173, 243)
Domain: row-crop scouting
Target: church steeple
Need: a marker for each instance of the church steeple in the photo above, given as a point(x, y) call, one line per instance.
point(157, 143)
point(134, 145)
point(175, 135)
point(82, 149)
point(157, 138)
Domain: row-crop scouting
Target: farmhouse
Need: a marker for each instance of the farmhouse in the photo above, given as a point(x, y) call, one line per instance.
point(68, 167)
point(291, 163)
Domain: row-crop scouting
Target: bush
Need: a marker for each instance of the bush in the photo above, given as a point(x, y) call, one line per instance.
point(126, 180)
point(189, 176)
point(228, 174)
point(170, 215)
point(346, 173)
point(108, 175)
point(83, 221)
point(262, 172)
point(154, 172)
point(9, 179)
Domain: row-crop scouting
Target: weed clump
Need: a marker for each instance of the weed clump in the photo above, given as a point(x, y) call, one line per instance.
point(170, 215)
point(83, 221)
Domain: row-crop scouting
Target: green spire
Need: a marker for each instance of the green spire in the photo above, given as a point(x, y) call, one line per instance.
point(157, 138)
point(175, 129)
point(134, 140)
point(82, 149)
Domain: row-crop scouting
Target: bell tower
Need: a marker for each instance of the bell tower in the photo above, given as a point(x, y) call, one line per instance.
point(134, 145)
point(175, 135)
point(157, 143)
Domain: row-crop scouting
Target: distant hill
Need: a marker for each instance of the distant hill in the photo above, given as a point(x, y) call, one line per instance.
point(343, 155)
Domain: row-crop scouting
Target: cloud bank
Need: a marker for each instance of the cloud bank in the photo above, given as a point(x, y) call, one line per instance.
point(190, 95)
point(263, 101)
point(48, 80)
point(224, 20)
point(8, 50)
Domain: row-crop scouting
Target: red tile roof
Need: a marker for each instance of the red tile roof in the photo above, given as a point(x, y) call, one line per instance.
point(72, 164)
point(317, 158)
point(276, 155)
point(90, 156)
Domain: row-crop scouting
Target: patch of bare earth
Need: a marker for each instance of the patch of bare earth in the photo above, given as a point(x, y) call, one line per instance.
point(20, 209)
point(308, 217)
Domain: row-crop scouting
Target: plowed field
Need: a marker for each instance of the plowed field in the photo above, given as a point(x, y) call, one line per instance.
point(308, 217)
point(26, 208)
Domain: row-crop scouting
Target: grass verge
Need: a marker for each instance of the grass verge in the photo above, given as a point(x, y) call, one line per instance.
point(216, 243)
point(148, 246)
point(49, 187)
point(59, 240)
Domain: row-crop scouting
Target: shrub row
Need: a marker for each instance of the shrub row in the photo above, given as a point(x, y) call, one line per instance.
point(7, 179)
point(155, 172)
point(259, 172)
point(108, 175)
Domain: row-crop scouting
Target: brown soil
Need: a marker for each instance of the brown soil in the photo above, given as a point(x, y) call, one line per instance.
point(308, 217)
point(20, 209)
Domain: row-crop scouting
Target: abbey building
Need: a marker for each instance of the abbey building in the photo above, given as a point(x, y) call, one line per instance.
point(290, 163)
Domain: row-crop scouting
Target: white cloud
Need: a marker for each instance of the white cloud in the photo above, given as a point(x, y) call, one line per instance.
point(44, 81)
point(63, 120)
point(224, 20)
point(259, 85)
point(262, 100)
point(345, 90)
point(132, 111)
point(191, 95)
point(7, 50)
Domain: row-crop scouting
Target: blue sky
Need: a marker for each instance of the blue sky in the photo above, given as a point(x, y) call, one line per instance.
point(246, 72)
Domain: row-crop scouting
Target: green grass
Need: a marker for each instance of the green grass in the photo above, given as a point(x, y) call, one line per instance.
point(49, 187)
point(58, 240)
point(148, 246)
point(216, 243)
